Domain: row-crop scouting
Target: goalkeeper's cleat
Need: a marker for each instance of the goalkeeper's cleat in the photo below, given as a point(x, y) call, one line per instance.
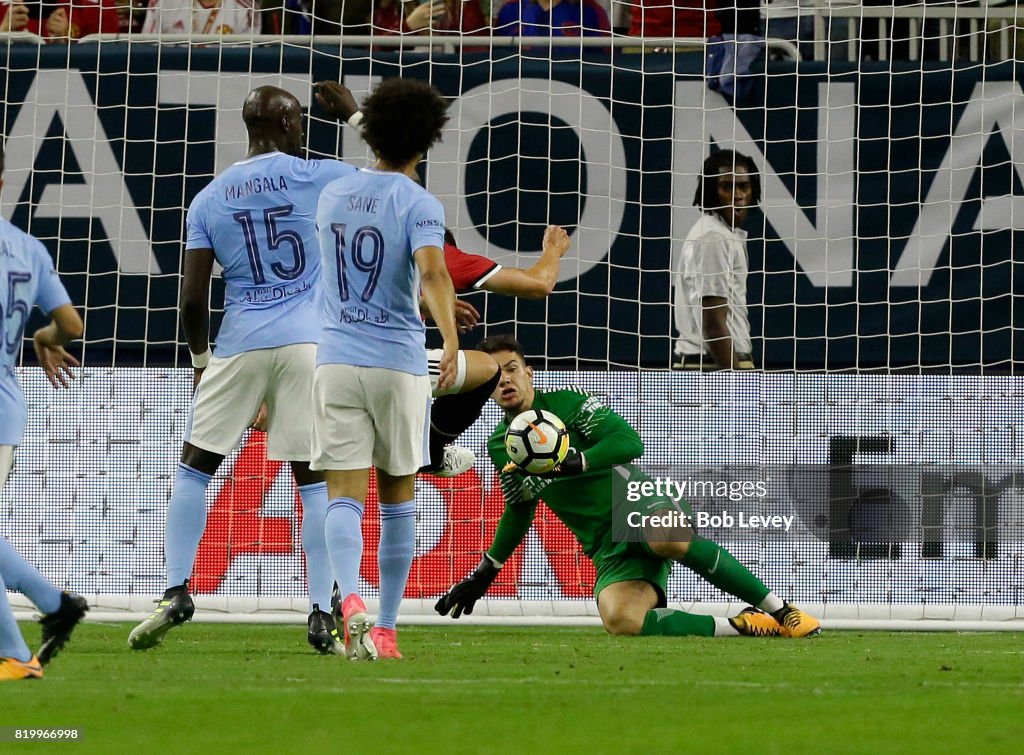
point(751, 622)
point(174, 608)
point(386, 642)
point(322, 633)
point(58, 626)
point(455, 461)
point(11, 669)
point(358, 642)
point(796, 623)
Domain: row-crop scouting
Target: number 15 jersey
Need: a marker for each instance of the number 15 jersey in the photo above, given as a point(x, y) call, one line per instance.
point(259, 218)
point(370, 224)
point(27, 278)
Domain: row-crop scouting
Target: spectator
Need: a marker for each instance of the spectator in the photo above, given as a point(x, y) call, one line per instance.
point(60, 21)
point(710, 274)
point(554, 18)
point(19, 17)
point(732, 54)
point(673, 18)
point(324, 17)
point(202, 17)
point(77, 19)
point(131, 14)
point(397, 17)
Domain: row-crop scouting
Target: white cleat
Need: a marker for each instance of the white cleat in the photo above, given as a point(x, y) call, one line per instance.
point(456, 461)
point(359, 644)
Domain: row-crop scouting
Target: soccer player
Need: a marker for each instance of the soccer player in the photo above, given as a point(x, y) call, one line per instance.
point(474, 272)
point(710, 275)
point(258, 220)
point(631, 576)
point(29, 280)
point(452, 414)
point(459, 406)
point(381, 234)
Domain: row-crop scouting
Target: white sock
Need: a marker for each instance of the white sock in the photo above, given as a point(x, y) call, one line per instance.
point(771, 603)
point(724, 627)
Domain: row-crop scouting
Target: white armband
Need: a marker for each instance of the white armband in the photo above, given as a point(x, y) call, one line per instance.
point(200, 361)
point(355, 119)
point(494, 562)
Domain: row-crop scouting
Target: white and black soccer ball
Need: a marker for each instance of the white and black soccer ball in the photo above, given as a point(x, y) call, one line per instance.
point(537, 441)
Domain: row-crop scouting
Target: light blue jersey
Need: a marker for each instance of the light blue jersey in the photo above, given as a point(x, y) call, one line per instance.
point(27, 278)
point(258, 217)
point(370, 223)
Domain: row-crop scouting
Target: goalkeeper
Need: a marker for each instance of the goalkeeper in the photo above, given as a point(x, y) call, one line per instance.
point(631, 576)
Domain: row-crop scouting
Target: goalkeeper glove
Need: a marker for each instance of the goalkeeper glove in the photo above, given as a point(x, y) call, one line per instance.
point(462, 596)
point(573, 464)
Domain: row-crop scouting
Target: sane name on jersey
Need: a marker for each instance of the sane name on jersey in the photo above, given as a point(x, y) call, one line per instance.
point(363, 204)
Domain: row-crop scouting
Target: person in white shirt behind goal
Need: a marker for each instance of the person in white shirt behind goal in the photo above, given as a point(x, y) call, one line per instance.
point(30, 280)
point(710, 274)
point(202, 17)
point(258, 219)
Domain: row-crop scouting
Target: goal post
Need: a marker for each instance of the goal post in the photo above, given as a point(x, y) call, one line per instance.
point(882, 295)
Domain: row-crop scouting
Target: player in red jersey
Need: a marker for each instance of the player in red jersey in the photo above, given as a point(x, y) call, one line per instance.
point(474, 272)
point(451, 415)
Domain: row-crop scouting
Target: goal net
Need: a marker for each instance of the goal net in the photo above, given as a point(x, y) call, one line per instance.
point(882, 299)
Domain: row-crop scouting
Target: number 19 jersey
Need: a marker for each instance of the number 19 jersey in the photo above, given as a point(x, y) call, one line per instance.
point(259, 218)
point(370, 224)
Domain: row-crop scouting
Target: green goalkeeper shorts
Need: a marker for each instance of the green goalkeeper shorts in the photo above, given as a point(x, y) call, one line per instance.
point(623, 562)
point(623, 555)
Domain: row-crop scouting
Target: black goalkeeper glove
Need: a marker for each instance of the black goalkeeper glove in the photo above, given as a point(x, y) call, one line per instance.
point(572, 465)
point(462, 596)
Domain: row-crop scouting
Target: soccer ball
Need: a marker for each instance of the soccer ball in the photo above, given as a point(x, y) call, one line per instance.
point(537, 441)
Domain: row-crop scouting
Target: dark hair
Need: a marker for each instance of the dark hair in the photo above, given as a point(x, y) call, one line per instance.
point(725, 160)
point(503, 342)
point(449, 238)
point(402, 118)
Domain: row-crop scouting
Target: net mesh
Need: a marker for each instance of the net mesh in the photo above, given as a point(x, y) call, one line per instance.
point(885, 244)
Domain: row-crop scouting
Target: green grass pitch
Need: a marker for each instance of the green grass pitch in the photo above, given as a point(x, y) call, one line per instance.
point(252, 688)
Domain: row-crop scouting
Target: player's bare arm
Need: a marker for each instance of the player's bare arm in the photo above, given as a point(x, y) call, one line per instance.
point(533, 282)
point(49, 341)
point(439, 296)
point(715, 311)
point(194, 306)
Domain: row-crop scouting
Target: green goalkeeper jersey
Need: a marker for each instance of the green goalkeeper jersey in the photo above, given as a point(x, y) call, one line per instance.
point(582, 502)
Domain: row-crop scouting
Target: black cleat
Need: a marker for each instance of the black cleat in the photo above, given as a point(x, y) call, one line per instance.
point(322, 633)
point(336, 601)
point(58, 626)
point(174, 608)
